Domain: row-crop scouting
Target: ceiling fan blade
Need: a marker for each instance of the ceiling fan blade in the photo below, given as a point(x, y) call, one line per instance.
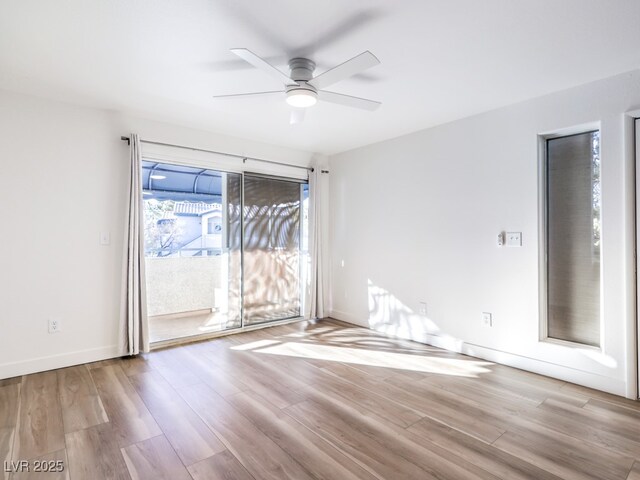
point(345, 70)
point(297, 116)
point(348, 100)
point(253, 94)
point(261, 64)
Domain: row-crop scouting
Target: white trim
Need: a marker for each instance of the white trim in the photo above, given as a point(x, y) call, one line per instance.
point(632, 133)
point(549, 369)
point(570, 344)
point(572, 130)
point(41, 364)
point(543, 325)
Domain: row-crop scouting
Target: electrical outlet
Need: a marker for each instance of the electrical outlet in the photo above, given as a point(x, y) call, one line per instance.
point(500, 239)
point(423, 309)
point(54, 325)
point(486, 319)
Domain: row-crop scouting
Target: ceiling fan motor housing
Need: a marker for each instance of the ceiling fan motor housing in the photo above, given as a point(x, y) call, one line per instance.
point(301, 69)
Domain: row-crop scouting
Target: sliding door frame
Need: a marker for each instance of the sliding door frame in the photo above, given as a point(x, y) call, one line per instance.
point(242, 326)
point(222, 333)
point(633, 122)
point(187, 162)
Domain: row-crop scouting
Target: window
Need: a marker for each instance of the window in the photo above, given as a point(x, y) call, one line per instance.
point(572, 238)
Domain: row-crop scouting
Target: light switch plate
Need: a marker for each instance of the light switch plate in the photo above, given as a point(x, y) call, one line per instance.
point(105, 238)
point(514, 239)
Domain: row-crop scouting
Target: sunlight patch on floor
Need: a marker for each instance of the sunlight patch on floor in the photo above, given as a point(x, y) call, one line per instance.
point(254, 345)
point(401, 361)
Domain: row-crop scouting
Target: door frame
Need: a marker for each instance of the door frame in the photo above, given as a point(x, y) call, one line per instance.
point(188, 162)
point(632, 148)
point(633, 118)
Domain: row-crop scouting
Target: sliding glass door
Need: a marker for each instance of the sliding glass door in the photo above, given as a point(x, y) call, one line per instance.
point(272, 227)
point(222, 250)
point(193, 255)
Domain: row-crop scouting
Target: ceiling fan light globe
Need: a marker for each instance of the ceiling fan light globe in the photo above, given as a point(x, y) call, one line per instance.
point(300, 98)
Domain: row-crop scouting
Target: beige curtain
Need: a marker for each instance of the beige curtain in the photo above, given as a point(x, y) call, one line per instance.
point(134, 331)
point(316, 240)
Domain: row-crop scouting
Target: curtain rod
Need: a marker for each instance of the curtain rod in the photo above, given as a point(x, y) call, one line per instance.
point(244, 158)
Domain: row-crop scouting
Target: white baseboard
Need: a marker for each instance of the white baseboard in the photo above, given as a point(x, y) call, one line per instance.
point(561, 372)
point(41, 364)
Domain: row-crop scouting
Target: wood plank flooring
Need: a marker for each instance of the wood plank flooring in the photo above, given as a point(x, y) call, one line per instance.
point(312, 401)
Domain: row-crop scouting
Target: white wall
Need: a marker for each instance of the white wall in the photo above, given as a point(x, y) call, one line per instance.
point(416, 219)
point(63, 180)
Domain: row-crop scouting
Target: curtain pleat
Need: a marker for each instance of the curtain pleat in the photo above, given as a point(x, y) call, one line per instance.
point(316, 294)
point(134, 331)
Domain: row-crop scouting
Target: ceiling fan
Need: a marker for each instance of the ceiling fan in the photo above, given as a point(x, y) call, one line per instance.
point(302, 89)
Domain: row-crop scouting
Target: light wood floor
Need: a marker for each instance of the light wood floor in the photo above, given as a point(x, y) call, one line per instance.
point(314, 401)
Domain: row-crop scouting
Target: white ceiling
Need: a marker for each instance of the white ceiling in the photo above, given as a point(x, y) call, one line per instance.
point(441, 59)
